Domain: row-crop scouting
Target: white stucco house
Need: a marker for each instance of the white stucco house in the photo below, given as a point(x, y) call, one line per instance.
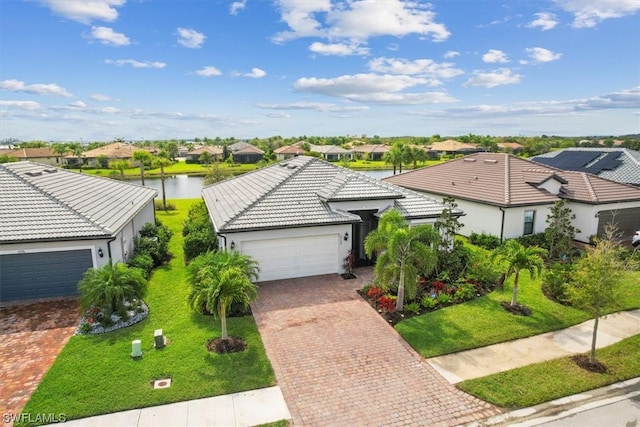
point(56, 223)
point(302, 216)
point(507, 196)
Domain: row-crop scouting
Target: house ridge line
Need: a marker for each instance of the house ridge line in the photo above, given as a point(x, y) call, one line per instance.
point(507, 180)
point(56, 200)
point(587, 182)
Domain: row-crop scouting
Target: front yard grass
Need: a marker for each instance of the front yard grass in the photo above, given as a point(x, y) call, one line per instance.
point(534, 384)
point(483, 321)
point(96, 375)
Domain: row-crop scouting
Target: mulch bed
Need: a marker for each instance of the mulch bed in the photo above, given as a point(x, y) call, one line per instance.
point(229, 345)
point(582, 360)
point(518, 309)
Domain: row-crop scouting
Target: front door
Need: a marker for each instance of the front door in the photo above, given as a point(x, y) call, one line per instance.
point(360, 232)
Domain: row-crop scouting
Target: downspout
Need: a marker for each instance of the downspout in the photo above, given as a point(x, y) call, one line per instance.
point(225, 240)
point(502, 224)
point(109, 247)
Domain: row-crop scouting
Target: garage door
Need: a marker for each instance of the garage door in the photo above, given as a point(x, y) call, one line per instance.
point(42, 274)
point(627, 221)
point(294, 257)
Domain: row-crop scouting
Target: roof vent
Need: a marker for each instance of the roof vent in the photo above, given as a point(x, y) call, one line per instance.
point(34, 173)
point(292, 166)
point(282, 165)
point(51, 170)
point(469, 160)
point(490, 161)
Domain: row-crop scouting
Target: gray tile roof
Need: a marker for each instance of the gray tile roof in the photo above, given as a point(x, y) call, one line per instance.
point(627, 172)
point(298, 193)
point(40, 202)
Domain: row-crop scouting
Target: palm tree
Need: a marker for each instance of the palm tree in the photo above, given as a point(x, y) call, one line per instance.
point(60, 149)
point(109, 286)
point(403, 251)
point(218, 279)
point(77, 150)
point(120, 165)
point(518, 257)
point(394, 156)
point(161, 162)
point(141, 156)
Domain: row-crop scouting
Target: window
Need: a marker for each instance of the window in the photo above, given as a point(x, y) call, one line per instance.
point(529, 219)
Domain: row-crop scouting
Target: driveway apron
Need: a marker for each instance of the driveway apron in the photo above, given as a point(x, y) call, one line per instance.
point(31, 336)
point(339, 363)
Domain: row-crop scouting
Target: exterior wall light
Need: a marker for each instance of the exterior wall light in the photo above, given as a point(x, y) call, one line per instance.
point(233, 245)
point(346, 236)
point(100, 253)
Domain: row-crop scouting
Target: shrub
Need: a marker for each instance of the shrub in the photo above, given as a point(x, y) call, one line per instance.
point(110, 286)
point(465, 292)
point(374, 292)
point(483, 271)
point(160, 206)
point(388, 302)
point(454, 262)
point(539, 239)
point(412, 307)
point(444, 299)
point(153, 241)
point(556, 280)
point(487, 241)
point(428, 302)
point(198, 232)
point(438, 286)
point(143, 261)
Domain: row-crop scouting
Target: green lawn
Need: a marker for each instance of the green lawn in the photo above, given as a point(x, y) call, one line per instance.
point(178, 168)
point(483, 321)
point(534, 384)
point(96, 375)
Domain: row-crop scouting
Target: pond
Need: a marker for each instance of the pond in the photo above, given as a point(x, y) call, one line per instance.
point(190, 187)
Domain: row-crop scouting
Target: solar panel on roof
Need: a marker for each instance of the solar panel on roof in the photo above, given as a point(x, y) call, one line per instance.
point(571, 160)
point(608, 162)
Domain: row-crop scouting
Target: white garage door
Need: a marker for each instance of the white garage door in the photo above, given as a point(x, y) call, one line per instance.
point(294, 257)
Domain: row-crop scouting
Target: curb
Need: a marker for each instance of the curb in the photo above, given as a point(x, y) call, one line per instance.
point(564, 407)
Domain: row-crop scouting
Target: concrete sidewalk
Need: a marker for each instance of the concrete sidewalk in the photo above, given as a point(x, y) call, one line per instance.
point(249, 408)
point(479, 362)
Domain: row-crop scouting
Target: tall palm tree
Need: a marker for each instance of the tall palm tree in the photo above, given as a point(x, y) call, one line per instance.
point(77, 150)
point(60, 149)
point(518, 257)
point(403, 251)
point(142, 157)
point(394, 156)
point(218, 279)
point(109, 286)
point(161, 162)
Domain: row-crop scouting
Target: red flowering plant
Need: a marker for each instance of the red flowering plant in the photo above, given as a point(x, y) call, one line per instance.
point(375, 292)
point(388, 302)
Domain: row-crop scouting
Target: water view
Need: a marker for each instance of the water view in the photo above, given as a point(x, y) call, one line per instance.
point(190, 187)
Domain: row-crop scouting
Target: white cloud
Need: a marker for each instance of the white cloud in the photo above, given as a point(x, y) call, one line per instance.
point(99, 97)
point(78, 104)
point(625, 99)
point(37, 89)
point(22, 105)
point(544, 20)
point(588, 13)
point(190, 38)
point(451, 54)
point(338, 49)
point(106, 35)
point(135, 64)
point(85, 11)
point(256, 73)
point(499, 77)
point(237, 6)
point(419, 67)
point(540, 54)
point(495, 55)
point(358, 20)
point(375, 88)
point(208, 71)
point(313, 106)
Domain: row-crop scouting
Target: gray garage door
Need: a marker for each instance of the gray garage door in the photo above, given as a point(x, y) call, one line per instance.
point(42, 274)
point(627, 221)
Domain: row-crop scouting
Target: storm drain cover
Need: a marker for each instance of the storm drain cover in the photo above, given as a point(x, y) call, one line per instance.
point(166, 383)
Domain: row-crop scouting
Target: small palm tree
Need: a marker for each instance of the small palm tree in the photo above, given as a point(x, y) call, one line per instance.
point(403, 252)
point(219, 279)
point(121, 166)
point(110, 286)
point(142, 157)
point(518, 257)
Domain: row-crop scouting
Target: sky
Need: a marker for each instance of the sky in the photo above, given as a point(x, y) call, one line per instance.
point(98, 70)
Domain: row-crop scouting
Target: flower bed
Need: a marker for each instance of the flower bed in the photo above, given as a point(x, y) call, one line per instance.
point(94, 321)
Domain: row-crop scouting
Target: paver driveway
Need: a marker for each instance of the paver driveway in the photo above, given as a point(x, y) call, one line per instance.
point(339, 364)
point(31, 336)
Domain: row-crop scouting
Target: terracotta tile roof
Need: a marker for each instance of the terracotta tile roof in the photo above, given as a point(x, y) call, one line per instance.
point(298, 192)
point(31, 153)
point(375, 148)
point(116, 150)
point(214, 150)
point(289, 149)
point(451, 145)
point(39, 202)
point(506, 180)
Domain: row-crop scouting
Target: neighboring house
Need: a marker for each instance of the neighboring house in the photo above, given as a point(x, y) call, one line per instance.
point(43, 155)
point(616, 164)
point(301, 217)
point(288, 151)
point(216, 153)
point(243, 152)
point(331, 153)
point(508, 196)
point(375, 152)
point(451, 146)
point(113, 151)
point(510, 147)
point(55, 224)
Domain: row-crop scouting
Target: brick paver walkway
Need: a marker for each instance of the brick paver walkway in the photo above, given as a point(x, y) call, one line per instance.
point(339, 364)
point(31, 336)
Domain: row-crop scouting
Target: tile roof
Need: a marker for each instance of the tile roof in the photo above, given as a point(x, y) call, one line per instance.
point(289, 149)
point(242, 147)
point(31, 153)
point(451, 145)
point(214, 150)
point(625, 169)
point(506, 180)
point(116, 150)
point(298, 192)
point(40, 202)
point(374, 148)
